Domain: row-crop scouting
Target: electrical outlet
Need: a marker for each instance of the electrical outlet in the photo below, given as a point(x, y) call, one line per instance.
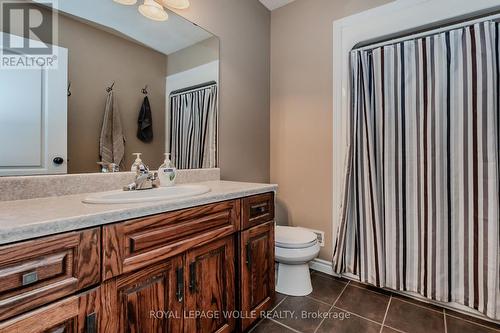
point(321, 237)
point(320, 234)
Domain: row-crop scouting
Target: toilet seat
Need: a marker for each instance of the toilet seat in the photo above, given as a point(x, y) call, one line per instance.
point(296, 246)
point(294, 238)
point(296, 256)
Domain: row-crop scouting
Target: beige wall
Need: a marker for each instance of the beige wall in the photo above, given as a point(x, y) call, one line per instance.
point(195, 55)
point(301, 110)
point(243, 27)
point(96, 58)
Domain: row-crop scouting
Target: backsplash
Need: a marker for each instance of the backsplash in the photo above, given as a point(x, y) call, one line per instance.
point(31, 187)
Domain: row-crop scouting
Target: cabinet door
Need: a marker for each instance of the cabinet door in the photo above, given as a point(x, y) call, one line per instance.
point(257, 272)
point(149, 300)
point(74, 314)
point(210, 294)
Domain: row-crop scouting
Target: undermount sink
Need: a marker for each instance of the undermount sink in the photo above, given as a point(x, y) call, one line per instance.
point(156, 194)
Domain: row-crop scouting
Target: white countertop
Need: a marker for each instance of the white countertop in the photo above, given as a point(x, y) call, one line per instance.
point(32, 218)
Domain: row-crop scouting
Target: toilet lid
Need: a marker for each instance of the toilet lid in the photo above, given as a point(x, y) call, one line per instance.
point(294, 237)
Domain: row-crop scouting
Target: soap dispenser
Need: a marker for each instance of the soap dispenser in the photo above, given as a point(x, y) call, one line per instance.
point(167, 172)
point(137, 162)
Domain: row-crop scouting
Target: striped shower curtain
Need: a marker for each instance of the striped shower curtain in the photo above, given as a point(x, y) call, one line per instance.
point(193, 129)
point(420, 208)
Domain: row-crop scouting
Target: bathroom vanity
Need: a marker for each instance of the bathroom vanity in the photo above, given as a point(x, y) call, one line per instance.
point(192, 258)
point(191, 265)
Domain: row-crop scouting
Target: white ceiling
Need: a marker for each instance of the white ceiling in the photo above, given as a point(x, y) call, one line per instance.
point(274, 4)
point(167, 37)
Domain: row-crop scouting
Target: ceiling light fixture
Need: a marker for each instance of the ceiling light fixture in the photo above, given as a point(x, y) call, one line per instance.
point(153, 10)
point(126, 2)
point(177, 4)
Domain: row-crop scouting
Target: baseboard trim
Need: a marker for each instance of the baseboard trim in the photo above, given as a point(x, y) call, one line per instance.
point(325, 266)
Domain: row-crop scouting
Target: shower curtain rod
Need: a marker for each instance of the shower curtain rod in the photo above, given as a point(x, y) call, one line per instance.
point(193, 88)
point(490, 17)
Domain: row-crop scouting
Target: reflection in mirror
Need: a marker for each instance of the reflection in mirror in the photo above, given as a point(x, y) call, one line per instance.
point(121, 83)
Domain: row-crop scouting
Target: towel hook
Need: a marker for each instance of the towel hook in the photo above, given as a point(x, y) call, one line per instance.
point(145, 90)
point(109, 89)
point(69, 88)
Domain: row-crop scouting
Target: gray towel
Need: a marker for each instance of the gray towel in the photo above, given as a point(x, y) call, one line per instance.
point(112, 141)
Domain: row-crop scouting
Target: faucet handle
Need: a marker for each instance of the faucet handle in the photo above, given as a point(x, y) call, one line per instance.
point(155, 179)
point(142, 169)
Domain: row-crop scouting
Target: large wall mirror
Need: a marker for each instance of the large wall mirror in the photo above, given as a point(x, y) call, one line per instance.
point(134, 78)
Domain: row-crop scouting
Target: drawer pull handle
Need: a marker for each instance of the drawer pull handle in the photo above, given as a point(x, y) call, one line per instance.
point(61, 329)
point(180, 285)
point(249, 255)
point(30, 278)
point(192, 277)
point(91, 323)
point(258, 209)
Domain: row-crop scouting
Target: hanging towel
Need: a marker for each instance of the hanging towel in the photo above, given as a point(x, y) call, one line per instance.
point(112, 141)
point(145, 121)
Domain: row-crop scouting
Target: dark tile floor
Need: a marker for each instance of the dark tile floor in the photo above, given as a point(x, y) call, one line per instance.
point(338, 305)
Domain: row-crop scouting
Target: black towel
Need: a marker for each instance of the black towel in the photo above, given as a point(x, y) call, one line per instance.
point(145, 121)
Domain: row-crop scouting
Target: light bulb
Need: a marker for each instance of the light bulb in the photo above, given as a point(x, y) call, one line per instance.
point(153, 10)
point(126, 2)
point(177, 4)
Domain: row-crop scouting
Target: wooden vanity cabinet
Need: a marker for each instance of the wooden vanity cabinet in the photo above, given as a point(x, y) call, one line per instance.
point(195, 270)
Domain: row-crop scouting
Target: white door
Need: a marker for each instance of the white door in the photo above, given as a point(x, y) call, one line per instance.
point(33, 119)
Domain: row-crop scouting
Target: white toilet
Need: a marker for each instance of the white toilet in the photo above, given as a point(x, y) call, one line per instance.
point(295, 247)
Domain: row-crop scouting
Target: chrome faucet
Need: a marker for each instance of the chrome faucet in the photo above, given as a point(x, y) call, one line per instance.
point(109, 167)
point(144, 180)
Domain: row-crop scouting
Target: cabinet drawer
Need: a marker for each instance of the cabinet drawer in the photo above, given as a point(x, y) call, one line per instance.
point(257, 209)
point(73, 314)
point(37, 272)
point(138, 243)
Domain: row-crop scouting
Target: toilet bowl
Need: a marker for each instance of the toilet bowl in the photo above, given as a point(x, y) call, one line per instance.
point(294, 248)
